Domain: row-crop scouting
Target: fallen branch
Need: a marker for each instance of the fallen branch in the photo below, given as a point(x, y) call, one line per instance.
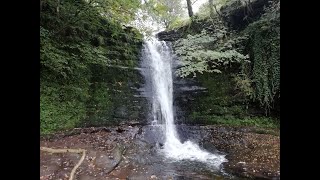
point(83, 151)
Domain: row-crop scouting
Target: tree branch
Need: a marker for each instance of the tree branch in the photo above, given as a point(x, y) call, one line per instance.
point(194, 2)
point(83, 151)
point(215, 8)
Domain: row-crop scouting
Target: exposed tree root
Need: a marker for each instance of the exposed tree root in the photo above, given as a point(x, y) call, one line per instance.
point(83, 151)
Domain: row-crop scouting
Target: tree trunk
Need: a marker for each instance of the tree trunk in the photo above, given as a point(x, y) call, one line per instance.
point(189, 8)
point(211, 7)
point(215, 8)
point(58, 7)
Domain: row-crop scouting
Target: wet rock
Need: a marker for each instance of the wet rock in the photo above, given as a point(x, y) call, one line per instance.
point(258, 154)
point(106, 163)
point(152, 135)
point(120, 130)
point(169, 35)
point(142, 154)
point(210, 147)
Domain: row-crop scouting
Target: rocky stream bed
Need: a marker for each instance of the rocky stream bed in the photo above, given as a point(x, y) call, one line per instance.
point(131, 152)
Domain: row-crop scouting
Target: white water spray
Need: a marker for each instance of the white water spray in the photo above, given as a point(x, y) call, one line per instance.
point(157, 55)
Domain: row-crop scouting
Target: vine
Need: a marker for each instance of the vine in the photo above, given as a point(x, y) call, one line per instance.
point(265, 57)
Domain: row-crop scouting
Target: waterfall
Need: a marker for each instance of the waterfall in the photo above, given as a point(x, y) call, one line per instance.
point(157, 58)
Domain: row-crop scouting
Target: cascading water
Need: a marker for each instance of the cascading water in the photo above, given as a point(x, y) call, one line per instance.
point(157, 58)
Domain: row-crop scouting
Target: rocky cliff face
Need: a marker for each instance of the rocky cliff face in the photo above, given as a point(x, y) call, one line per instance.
point(238, 14)
point(127, 96)
point(172, 35)
point(212, 95)
point(129, 102)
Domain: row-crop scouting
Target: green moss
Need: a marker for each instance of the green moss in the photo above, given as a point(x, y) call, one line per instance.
point(220, 98)
point(222, 105)
point(261, 122)
point(78, 86)
point(264, 49)
point(58, 115)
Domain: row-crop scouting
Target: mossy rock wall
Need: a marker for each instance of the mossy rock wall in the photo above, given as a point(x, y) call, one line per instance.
point(213, 96)
point(88, 69)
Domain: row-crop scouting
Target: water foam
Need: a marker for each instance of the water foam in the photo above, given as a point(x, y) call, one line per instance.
point(157, 55)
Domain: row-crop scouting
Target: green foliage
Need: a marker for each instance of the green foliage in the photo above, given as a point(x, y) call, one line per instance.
point(244, 84)
point(266, 69)
point(99, 107)
point(252, 80)
point(206, 52)
point(219, 99)
point(222, 105)
point(100, 98)
point(56, 113)
point(73, 41)
point(218, 48)
point(167, 11)
point(120, 11)
point(178, 23)
point(204, 9)
point(154, 15)
point(264, 47)
point(262, 122)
